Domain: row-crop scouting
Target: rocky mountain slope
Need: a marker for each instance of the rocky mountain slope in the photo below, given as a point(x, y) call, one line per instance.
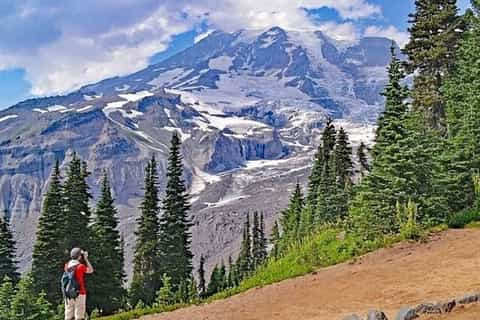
point(248, 105)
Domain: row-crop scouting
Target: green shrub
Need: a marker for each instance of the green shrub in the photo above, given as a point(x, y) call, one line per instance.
point(461, 219)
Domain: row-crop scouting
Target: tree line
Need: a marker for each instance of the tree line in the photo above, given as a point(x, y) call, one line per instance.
point(424, 166)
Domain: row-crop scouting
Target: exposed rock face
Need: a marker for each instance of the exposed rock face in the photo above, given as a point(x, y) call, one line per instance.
point(249, 107)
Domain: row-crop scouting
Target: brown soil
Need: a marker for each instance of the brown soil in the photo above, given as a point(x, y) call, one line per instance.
point(446, 266)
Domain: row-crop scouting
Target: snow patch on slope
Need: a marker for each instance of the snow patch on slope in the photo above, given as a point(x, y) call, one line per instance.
point(11, 116)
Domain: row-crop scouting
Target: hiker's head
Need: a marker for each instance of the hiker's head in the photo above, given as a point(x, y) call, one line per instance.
point(76, 253)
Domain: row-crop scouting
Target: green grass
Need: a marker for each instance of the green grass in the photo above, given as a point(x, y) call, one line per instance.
point(137, 313)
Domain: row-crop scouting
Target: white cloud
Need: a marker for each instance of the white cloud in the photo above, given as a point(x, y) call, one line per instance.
point(390, 32)
point(64, 45)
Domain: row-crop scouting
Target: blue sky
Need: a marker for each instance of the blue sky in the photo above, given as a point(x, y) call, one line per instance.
point(51, 47)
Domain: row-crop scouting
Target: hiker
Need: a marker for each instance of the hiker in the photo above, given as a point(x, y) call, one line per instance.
point(73, 284)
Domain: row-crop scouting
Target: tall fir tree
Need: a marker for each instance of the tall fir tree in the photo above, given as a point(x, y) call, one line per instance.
point(244, 260)
point(8, 264)
point(322, 159)
point(7, 291)
point(343, 175)
point(107, 281)
point(364, 165)
point(174, 248)
point(49, 252)
point(263, 240)
point(462, 92)
point(434, 34)
point(214, 284)
point(77, 211)
point(275, 240)
point(146, 271)
point(259, 246)
point(402, 164)
point(202, 290)
point(290, 217)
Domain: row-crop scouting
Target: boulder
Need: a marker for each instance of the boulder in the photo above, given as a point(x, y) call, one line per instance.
point(448, 306)
point(469, 298)
point(428, 308)
point(406, 314)
point(376, 315)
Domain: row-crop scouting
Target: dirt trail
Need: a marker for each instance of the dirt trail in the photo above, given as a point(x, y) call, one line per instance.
point(404, 275)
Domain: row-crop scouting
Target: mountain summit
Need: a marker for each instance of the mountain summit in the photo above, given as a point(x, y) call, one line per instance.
point(248, 106)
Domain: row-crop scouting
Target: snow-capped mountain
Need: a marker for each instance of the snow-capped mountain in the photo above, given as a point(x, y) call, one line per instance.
point(248, 105)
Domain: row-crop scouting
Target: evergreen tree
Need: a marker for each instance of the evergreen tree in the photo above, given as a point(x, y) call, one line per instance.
point(176, 257)
point(8, 265)
point(231, 273)
point(362, 158)
point(7, 291)
point(222, 277)
point(77, 211)
point(244, 261)
point(146, 279)
point(402, 164)
point(460, 158)
point(343, 160)
point(107, 281)
point(27, 305)
point(201, 278)
point(322, 159)
point(49, 250)
point(263, 254)
point(290, 218)
point(434, 34)
point(256, 242)
point(343, 176)
point(214, 284)
point(165, 295)
point(275, 240)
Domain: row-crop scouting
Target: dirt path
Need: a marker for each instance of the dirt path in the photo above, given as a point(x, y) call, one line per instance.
point(407, 274)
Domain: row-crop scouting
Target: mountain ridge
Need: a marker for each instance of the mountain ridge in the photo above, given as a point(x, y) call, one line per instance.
point(248, 113)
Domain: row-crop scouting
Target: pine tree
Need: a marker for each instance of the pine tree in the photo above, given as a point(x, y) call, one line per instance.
point(214, 283)
point(176, 257)
point(244, 261)
point(363, 159)
point(28, 305)
point(7, 291)
point(8, 267)
point(107, 281)
point(434, 36)
point(49, 252)
point(263, 240)
point(146, 279)
point(461, 90)
point(256, 242)
point(166, 294)
point(77, 211)
point(222, 277)
point(231, 273)
point(322, 159)
point(402, 164)
point(275, 240)
point(290, 218)
point(343, 176)
point(201, 278)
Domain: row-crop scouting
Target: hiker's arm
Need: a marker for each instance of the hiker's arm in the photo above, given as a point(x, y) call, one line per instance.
point(89, 265)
